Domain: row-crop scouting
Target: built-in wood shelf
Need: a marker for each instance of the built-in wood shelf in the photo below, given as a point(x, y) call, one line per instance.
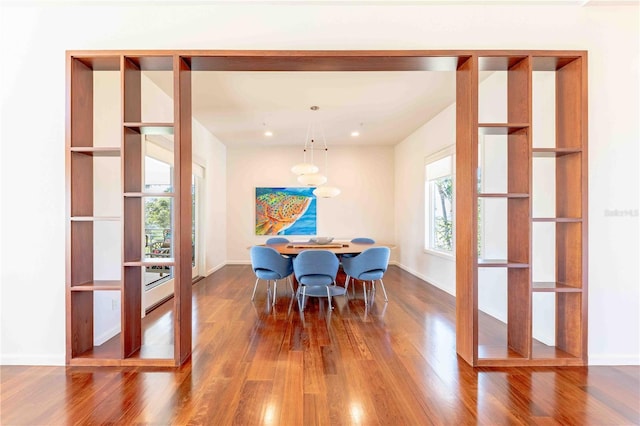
point(152, 62)
point(152, 261)
point(503, 195)
point(500, 263)
point(565, 153)
point(550, 63)
point(554, 152)
point(98, 285)
point(151, 128)
point(543, 355)
point(570, 141)
point(553, 287)
point(541, 351)
point(94, 218)
point(501, 128)
point(96, 151)
point(498, 63)
point(148, 194)
point(557, 219)
point(99, 61)
point(109, 354)
point(497, 352)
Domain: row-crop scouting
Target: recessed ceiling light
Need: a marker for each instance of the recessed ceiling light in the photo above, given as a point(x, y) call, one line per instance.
point(268, 133)
point(355, 133)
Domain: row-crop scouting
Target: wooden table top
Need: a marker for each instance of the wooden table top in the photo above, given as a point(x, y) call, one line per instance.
point(337, 247)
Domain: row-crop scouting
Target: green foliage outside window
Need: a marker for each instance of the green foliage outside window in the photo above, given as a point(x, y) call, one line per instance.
point(158, 213)
point(443, 223)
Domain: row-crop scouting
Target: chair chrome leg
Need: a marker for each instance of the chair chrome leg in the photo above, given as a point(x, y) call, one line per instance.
point(298, 297)
point(384, 291)
point(304, 301)
point(290, 284)
point(275, 290)
point(329, 296)
point(254, 289)
point(364, 292)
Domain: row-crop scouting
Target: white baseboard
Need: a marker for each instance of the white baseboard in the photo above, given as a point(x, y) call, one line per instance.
point(40, 360)
point(425, 278)
point(215, 268)
point(611, 359)
point(238, 262)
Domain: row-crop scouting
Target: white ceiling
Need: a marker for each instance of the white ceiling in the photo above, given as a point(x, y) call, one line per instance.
point(184, 3)
point(385, 107)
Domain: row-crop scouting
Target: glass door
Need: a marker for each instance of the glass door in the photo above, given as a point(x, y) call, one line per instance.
point(158, 220)
point(197, 189)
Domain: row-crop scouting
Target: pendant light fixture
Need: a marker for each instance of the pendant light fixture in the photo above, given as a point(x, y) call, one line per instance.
point(306, 168)
point(308, 172)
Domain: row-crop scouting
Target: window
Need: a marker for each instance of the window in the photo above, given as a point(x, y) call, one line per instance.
point(439, 187)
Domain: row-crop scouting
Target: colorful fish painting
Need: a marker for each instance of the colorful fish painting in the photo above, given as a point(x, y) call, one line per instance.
point(285, 211)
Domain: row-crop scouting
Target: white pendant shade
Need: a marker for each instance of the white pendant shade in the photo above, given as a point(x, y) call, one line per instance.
point(304, 169)
point(313, 179)
point(326, 191)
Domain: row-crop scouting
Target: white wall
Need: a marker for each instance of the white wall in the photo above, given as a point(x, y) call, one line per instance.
point(35, 36)
point(437, 134)
point(363, 208)
point(207, 147)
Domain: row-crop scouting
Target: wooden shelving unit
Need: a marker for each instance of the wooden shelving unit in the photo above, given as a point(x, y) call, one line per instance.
point(569, 151)
point(569, 290)
point(128, 347)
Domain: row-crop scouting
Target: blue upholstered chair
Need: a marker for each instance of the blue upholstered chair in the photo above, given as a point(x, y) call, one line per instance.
point(277, 240)
point(359, 240)
point(316, 272)
point(270, 265)
point(370, 265)
point(363, 240)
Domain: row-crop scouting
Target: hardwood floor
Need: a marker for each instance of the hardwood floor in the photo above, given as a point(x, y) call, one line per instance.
point(392, 365)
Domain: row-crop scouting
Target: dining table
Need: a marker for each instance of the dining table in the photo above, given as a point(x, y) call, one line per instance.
point(338, 247)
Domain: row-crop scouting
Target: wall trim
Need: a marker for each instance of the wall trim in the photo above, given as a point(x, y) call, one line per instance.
point(215, 268)
point(37, 360)
point(613, 359)
point(238, 262)
point(424, 278)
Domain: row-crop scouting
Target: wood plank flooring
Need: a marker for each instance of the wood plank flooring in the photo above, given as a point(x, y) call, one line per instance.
point(394, 364)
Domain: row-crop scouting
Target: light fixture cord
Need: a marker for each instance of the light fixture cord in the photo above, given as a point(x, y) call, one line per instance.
point(311, 145)
point(326, 152)
point(304, 155)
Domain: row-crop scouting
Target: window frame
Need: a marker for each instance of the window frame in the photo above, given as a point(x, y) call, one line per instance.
point(449, 151)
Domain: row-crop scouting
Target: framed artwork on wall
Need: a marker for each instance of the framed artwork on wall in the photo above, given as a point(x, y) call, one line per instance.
point(285, 211)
